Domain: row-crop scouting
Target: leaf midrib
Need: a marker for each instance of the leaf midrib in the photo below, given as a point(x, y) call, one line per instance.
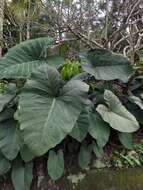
point(47, 119)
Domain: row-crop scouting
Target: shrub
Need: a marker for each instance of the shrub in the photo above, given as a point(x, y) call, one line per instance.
point(42, 105)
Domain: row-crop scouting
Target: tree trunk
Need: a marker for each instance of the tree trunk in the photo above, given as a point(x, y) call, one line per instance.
point(107, 19)
point(1, 24)
point(20, 33)
point(28, 20)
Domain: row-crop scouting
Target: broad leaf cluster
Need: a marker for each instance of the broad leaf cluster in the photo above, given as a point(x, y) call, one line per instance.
point(52, 104)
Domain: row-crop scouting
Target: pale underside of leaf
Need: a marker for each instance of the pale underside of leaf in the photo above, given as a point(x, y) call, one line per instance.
point(117, 115)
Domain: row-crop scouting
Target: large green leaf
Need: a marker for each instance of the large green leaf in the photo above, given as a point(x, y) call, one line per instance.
point(105, 65)
point(22, 175)
point(24, 58)
point(9, 139)
point(116, 114)
point(80, 129)
point(55, 164)
point(98, 129)
point(48, 109)
point(4, 165)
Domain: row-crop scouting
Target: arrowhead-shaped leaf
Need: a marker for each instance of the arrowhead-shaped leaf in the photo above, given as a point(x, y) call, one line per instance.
point(80, 129)
point(55, 164)
point(98, 129)
point(22, 175)
point(49, 109)
point(116, 114)
point(105, 65)
point(24, 58)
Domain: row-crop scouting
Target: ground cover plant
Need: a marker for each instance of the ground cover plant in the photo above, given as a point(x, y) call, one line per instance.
point(51, 103)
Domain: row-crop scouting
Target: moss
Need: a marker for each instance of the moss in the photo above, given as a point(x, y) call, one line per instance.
point(127, 179)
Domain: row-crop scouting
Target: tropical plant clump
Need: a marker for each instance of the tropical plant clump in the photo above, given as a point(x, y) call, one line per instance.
point(49, 102)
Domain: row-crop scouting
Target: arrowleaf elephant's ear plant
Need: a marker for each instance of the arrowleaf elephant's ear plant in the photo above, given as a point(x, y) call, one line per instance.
point(51, 106)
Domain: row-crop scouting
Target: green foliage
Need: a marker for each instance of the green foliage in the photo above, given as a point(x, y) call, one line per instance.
point(47, 95)
point(98, 129)
point(56, 104)
point(84, 156)
point(116, 114)
point(24, 58)
point(70, 69)
point(22, 175)
point(4, 165)
point(129, 159)
point(10, 140)
point(6, 97)
point(98, 150)
point(105, 65)
point(80, 129)
point(55, 164)
point(126, 140)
